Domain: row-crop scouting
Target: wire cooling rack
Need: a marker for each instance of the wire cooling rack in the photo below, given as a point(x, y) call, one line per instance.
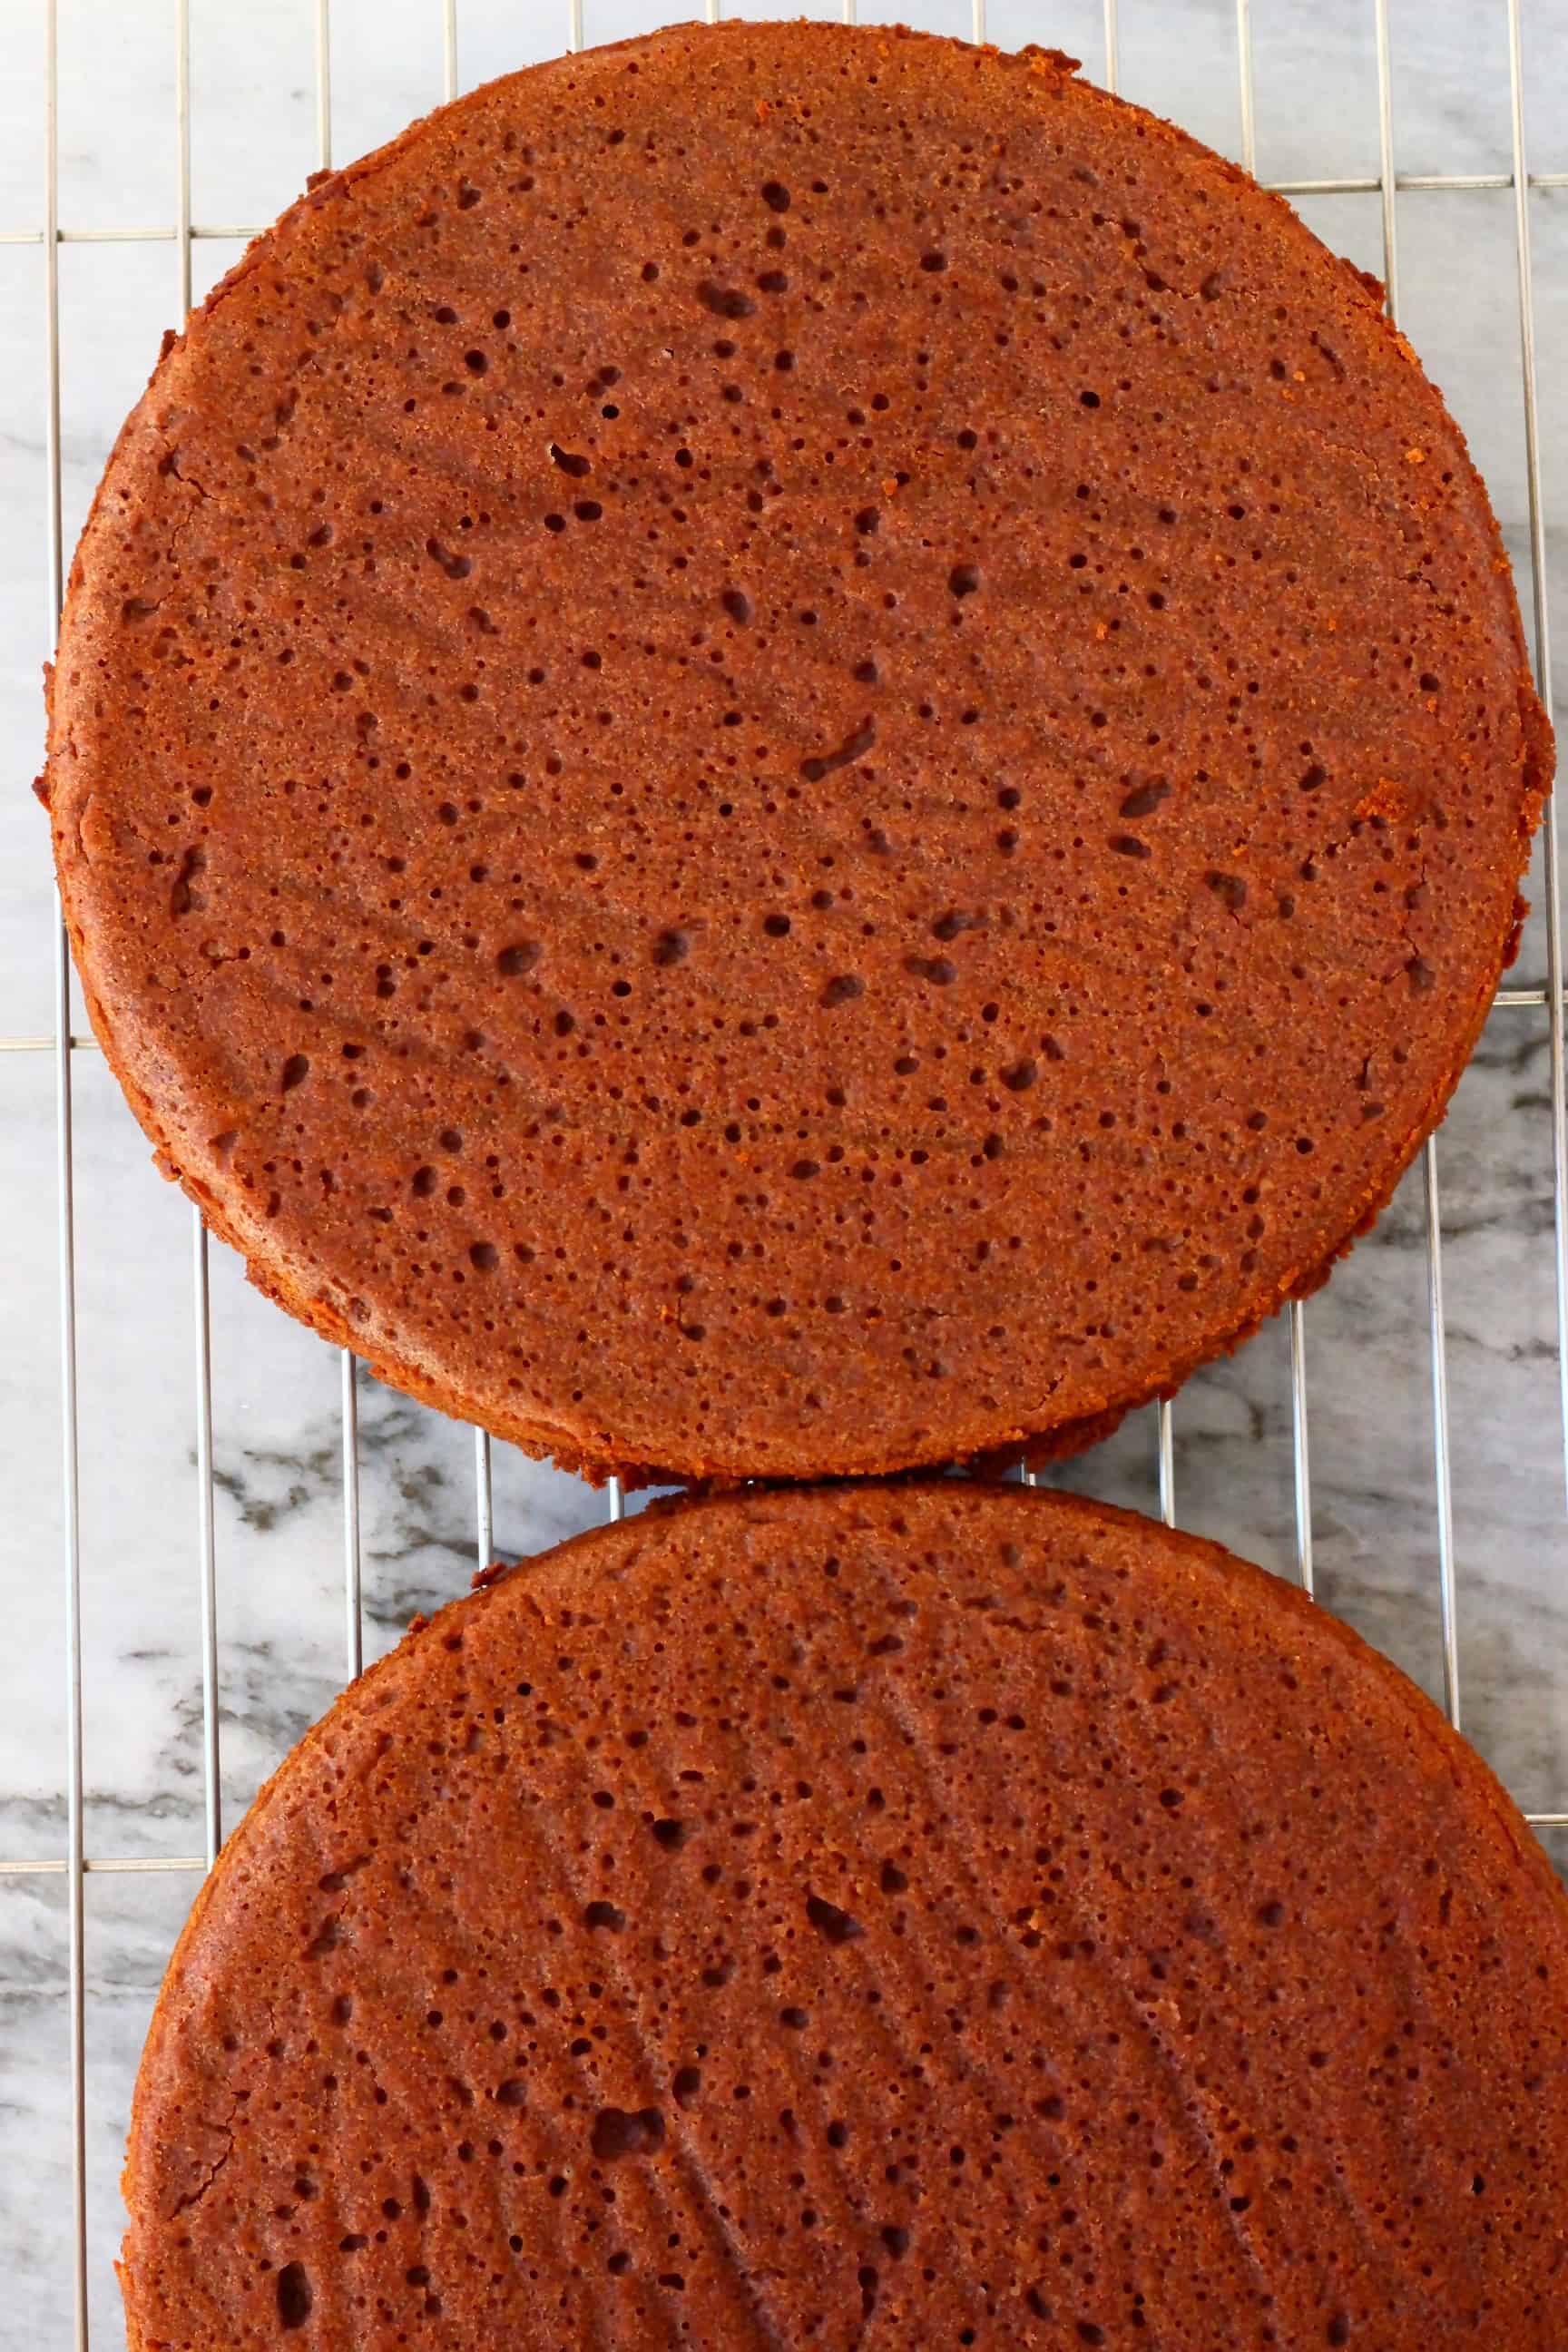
point(1542, 1004)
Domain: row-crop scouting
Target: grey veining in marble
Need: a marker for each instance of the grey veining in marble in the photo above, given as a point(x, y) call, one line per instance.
point(278, 1481)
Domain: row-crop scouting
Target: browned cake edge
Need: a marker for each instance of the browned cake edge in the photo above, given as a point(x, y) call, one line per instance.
point(1282, 1612)
point(858, 1454)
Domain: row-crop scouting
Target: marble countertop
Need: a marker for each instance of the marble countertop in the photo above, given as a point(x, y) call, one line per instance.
point(275, 1400)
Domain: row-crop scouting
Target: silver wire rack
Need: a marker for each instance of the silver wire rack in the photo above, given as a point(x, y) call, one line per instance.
point(1541, 1002)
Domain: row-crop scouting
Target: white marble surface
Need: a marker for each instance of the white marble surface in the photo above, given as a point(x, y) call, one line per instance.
point(277, 1431)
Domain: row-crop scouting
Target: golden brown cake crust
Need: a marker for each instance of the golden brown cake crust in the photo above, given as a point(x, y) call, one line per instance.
point(873, 1917)
point(788, 749)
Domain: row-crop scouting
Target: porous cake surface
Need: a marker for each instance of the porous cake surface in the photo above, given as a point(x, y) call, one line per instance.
point(789, 749)
point(868, 1917)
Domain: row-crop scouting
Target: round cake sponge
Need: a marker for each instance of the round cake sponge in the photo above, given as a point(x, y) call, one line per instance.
point(790, 751)
point(940, 1914)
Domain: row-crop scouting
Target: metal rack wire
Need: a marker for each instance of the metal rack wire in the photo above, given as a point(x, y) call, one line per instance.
point(183, 233)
